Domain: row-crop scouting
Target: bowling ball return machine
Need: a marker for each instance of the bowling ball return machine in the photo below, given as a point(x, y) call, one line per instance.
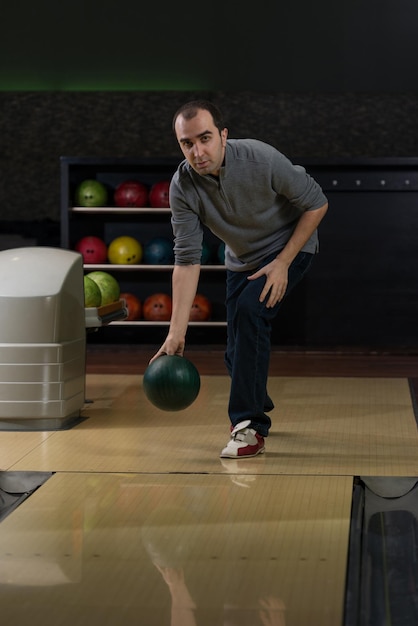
point(43, 326)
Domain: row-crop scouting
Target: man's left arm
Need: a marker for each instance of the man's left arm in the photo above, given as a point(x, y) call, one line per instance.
point(276, 272)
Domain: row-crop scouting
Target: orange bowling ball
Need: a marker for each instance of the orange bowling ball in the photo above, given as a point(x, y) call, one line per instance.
point(157, 308)
point(201, 309)
point(134, 306)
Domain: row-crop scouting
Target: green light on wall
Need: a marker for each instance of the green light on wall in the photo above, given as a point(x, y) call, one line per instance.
point(99, 85)
point(148, 79)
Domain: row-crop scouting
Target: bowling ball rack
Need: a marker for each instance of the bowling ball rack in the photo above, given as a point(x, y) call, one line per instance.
point(102, 316)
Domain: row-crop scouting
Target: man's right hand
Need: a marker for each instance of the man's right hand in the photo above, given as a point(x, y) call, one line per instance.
point(170, 346)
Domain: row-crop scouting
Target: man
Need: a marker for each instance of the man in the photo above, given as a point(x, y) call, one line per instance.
point(267, 211)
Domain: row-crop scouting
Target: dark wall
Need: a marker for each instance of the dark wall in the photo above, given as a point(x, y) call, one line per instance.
point(316, 79)
point(36, 128)
point(324, 79)
point(273, 45)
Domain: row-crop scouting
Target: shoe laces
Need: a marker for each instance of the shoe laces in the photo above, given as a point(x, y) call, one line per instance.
point(241, 435)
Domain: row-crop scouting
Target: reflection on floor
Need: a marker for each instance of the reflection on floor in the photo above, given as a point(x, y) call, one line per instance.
point(140, 523)
point(178, 550)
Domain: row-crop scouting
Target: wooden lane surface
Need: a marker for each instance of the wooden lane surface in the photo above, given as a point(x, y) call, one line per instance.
point(337, 426)
point(177, 550)
point(142, 523)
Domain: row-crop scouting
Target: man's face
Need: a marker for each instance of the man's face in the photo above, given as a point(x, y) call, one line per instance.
point(201, 143)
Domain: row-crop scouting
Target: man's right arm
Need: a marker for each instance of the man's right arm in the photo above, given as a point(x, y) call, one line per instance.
point(185, 280)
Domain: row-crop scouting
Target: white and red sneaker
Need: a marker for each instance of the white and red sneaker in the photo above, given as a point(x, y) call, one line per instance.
point(244, 442)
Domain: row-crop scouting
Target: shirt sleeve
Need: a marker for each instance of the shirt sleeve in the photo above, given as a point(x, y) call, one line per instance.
point(186, 225)
point(295, 184)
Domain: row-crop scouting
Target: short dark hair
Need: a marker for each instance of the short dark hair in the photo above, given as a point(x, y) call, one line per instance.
point(189, 111)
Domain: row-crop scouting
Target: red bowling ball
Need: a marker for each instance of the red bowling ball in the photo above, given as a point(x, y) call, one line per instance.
point(131, 194)
point(93, 249)
point(158, 195)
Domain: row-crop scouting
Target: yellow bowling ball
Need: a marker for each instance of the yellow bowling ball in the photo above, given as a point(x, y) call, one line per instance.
point(124, 250)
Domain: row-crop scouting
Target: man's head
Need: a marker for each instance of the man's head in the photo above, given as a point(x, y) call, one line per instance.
point(190, 109)
point(200, 131)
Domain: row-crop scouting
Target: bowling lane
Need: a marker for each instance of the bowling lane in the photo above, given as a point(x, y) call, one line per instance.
point(177, 550)
point(340, 426)
point(16, 445)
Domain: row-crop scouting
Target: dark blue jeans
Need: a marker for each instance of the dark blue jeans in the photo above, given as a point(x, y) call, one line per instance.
point(247, 355)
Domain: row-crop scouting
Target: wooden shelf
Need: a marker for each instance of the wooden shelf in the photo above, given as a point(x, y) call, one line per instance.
point(144, 224)
point(107, 267)
point(219, 324)
point(116, 210)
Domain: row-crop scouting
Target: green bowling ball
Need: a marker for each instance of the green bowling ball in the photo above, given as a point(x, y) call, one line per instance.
point(171, 382)
point(91, 193)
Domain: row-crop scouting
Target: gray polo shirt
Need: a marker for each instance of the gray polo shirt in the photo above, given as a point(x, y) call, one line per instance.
point(253, 206)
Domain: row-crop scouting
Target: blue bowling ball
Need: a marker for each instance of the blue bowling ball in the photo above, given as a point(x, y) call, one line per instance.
point(206, 253)
point(221, 253)
point(159, 251)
